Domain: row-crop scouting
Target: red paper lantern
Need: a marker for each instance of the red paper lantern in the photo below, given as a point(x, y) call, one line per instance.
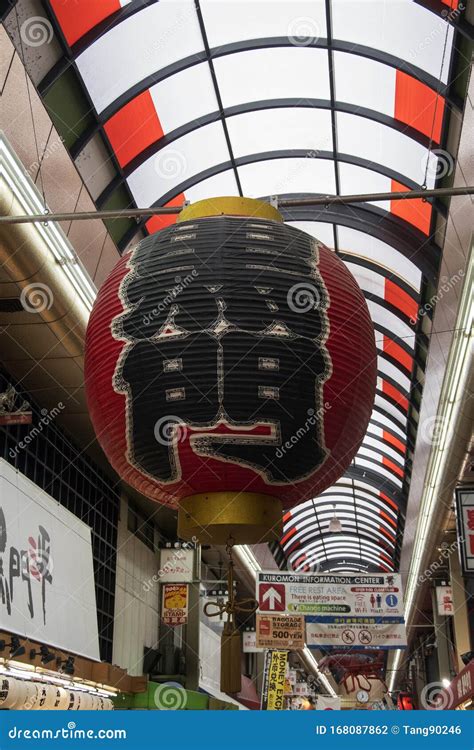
point(230, 364)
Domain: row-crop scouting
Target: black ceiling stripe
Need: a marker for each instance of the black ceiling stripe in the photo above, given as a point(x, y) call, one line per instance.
point(358, 260)
point(288, 154)
point(275, 42)
point(257, 106)
point(217, 92)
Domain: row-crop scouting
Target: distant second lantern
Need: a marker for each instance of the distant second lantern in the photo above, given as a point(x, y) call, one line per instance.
point(230, 368)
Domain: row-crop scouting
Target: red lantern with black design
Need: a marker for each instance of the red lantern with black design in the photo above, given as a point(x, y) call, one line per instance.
point(230, 368)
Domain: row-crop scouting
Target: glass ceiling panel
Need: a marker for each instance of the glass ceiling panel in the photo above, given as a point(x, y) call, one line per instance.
point(276, 73)
point(139, 46)
point(364, 83)
point(291, 175)
point(237, 20)
point(367, 246)
point(273, 130)
point(397, 27)
point(184, 97)
point(182, 159)
point(382, 145)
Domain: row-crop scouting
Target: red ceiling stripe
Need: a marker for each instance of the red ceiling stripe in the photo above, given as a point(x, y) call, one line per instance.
point(389, 438)
point(418, 105)
point(394, 394)
point(387, 518)
point(415, 211)
point(392, 466)
point(160, 222)
point(133, 128)
point(288, 535)
point(287, 516)
point(300, 559)
point(396, 351)
point(77, 17)
point(390, 502)
point(390, 536)
point(400, 299)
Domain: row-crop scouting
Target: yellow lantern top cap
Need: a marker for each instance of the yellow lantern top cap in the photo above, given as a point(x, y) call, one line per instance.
point(230, 206)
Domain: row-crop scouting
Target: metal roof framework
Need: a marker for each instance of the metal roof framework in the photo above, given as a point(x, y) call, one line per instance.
point(194, 98)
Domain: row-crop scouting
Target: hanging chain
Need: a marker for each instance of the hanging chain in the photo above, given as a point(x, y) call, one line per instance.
point(231, 606)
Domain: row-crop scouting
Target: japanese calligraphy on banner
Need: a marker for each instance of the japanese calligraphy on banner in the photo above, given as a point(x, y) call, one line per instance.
point(174, 610)
point(355, 632)
point(274, 680)
point(176, 565)
point(47, 587)
point(349, 595)
point(280, 631)
point(444, 600)
point(465, 518)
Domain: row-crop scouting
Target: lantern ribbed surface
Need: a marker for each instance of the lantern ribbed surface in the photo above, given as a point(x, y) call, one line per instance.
point(230, 354)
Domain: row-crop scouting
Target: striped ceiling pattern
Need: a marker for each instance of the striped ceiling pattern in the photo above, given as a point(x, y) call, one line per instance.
point(185, 99)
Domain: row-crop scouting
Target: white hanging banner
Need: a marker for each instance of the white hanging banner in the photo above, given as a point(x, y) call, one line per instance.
point(47, 590)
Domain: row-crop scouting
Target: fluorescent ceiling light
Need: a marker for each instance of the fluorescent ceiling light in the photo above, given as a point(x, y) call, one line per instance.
point(28, 196)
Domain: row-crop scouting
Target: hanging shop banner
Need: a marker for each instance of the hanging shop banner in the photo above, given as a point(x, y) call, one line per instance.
point(358, 595)
point(444, 600)
point(280, 631)
point(177, 564)
point(174, 610)
point(249, 642)
point(328, 703)
point(355, 632)
point(274, 680)
point(47, 589)
point(465, 519)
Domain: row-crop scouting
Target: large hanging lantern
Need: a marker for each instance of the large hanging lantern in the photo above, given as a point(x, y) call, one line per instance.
point(230, 368)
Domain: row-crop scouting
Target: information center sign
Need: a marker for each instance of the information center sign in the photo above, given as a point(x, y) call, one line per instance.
point(320, 594)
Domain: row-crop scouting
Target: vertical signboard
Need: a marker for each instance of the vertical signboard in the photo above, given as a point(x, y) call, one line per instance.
point(465, 517)
point(444, 600)
point(274, 680)
point(174, 608)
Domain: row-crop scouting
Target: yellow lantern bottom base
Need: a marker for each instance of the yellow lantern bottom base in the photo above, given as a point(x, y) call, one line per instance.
point(247, 517)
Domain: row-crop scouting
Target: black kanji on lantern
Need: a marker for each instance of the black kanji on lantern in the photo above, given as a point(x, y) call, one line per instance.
point(225, 322)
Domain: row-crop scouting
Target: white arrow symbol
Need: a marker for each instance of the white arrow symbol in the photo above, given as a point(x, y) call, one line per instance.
point(273, 596)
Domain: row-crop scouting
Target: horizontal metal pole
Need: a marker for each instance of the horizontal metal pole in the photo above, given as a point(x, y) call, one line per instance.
point(327, 200)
